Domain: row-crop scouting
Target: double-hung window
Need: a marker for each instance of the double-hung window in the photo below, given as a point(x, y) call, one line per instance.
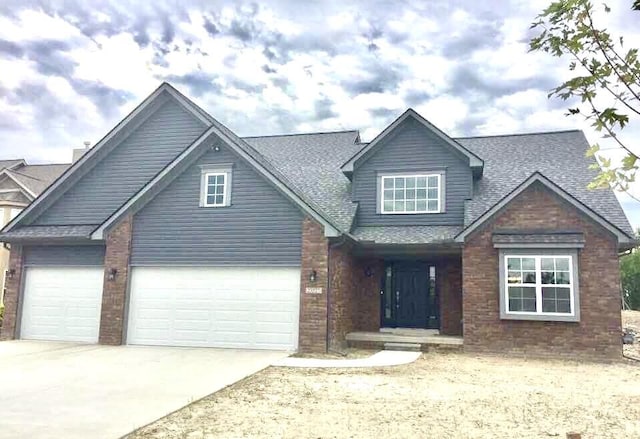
point(419, 193)
point(215, 190)
point(539, 286)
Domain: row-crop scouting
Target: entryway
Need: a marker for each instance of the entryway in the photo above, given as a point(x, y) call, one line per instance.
point(409, 296)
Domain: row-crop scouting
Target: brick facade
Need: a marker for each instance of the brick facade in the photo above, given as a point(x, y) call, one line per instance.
point(312, 335)
point(449, 286)
point(596, 336)
point(354, 301)
point(13, 285)
point(114, 294)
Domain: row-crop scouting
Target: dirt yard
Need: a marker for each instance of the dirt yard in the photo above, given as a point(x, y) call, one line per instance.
point(438, 396)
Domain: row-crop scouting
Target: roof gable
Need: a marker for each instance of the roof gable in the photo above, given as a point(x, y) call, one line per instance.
point(623, 238)
point(108, 143)
point(357, 159)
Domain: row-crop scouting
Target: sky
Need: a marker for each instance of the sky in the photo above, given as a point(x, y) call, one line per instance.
point(70, 70)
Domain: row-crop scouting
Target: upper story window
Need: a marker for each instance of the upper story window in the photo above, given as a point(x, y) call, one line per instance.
point(539, 287)
point(419, 193)
point(215, 190)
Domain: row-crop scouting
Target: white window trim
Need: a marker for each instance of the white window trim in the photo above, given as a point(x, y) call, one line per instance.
point(574, 288)
point(383, 177)
point(208, 171)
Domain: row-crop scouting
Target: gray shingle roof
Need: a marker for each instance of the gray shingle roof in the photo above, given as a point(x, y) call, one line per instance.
point(407, 234)
point(540, 237)
point(49, 232)
point(38, 177)
point(9, 163)
point(559, 156)
point(312, 163)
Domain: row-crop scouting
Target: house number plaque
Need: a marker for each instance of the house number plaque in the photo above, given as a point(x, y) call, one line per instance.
point(313, 290)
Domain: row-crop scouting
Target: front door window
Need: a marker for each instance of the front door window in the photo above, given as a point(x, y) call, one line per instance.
point(409, 296)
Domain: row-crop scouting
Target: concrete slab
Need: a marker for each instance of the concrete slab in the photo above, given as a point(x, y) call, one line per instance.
point(379, 359)
point(54, 390)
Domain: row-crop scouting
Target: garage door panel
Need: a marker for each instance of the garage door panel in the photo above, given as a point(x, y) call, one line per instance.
point(215, 306)
point(62, 303)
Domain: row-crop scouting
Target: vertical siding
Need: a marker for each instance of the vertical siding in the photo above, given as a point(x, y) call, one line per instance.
point(64, 255)
point(261, 227)
point(127, 168)
point(413, 148)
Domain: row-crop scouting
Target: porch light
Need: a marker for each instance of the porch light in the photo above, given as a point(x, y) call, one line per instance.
point(312, 276)
point(112, 274)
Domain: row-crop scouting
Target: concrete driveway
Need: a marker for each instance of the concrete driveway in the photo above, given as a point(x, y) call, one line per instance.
point(55, 390)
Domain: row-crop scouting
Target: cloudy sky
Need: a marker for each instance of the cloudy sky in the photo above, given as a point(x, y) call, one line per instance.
point(70, 70)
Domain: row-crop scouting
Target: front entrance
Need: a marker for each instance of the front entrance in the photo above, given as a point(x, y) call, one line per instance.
point(409, 297)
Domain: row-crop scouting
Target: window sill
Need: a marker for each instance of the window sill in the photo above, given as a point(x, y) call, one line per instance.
point(540, 317)
point(214, 207)
point(409, 213)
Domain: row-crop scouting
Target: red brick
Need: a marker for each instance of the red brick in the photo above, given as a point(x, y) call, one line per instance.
point(12, 293)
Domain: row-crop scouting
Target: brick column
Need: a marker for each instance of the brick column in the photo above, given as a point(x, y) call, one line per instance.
point(12, 294)
point(114, 292)
point(313, 294)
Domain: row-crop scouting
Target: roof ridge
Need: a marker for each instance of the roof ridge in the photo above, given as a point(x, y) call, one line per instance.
point(532, 133)
point(301, 134)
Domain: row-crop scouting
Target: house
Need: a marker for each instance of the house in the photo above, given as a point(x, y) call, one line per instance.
point(172, 230)
point(20, 184)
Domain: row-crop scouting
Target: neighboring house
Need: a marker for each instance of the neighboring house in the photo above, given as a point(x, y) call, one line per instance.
point(172, 230)
point(20, 184)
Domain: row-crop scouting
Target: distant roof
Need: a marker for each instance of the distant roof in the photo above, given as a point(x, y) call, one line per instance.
point(10, 163)
point(38, 177)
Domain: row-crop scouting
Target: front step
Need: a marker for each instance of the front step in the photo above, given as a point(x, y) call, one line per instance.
point(415, 347)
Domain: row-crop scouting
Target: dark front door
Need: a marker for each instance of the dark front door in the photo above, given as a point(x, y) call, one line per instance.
point(409, 297)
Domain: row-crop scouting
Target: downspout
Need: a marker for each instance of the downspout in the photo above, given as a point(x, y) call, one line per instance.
point(335, 244)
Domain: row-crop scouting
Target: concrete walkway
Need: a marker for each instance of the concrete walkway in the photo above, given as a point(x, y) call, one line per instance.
point(65, 390)
point(379, 359)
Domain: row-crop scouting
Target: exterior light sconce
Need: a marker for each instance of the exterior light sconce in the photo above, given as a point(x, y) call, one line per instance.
point(112, 274)
point(312, 276)
point(11, 272)
point(368, 271)
point(216, 148)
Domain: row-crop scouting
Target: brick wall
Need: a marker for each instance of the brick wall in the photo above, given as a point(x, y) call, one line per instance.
point(12, 294)
point(449, 285)
point(596, 336)
point(354, 302)
point(313, 307)
point(114, 293)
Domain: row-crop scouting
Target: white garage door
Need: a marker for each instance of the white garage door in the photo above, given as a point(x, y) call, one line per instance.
point(62, 303)
point(252, 308)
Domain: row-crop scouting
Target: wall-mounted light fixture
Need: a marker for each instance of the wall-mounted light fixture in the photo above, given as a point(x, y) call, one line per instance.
point(216, 148)
point(112, 274)
point(312, 276)
point(368, 271)
point(11, 272)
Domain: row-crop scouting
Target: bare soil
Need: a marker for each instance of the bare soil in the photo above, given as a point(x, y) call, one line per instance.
point(631, 320)
point(439, 396)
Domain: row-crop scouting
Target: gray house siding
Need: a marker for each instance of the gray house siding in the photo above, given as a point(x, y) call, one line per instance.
point(126, 169)
point(413, 148)
point(64, 255)
point(260, 227)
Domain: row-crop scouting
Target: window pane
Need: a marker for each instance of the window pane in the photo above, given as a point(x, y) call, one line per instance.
point(421, 206)
point(400, 182)
point(528, 277)
point(211, 199)
point(514, 277)
point(421, 182)
point(388, 194)
point(388, 183)
point(547, 264)
point(219, 199)
point(211, 179)
point(421, 194)
point(399, 194)
point(522, 299)
point(529, 305)
point(411, 183)
point(513, 263)
point(433, 206)
point(564, 306)
point(528, 264)
point(411, 194)
point(219, 190)
point(388, 206)
point(548, 277)
point(562, 264)
point(432, 181)
point(398, 206)
point(221, 179)
point(562, 277)
point(411, 206)
point(556, 300)
point(432, 194)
